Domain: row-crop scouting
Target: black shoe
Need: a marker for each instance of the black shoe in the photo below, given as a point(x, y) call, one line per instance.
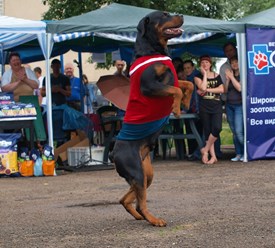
point(192, 158)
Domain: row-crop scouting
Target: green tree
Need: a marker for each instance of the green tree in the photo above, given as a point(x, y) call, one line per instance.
point(219, 9)
point(252, 6)
point(67, 8)
point(63, 9)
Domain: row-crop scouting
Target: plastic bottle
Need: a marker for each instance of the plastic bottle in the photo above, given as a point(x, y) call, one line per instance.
point(27, 167)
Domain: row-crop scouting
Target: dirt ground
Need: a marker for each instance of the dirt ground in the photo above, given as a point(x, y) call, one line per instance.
point(225, 205)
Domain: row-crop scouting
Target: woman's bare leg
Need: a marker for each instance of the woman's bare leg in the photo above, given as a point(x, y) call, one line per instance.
point(204, 154)
point(213, 158)
point(209, 147)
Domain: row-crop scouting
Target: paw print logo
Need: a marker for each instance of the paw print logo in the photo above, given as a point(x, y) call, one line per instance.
point(260, 60)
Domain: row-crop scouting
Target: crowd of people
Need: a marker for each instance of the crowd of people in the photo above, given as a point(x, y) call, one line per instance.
point(66, 88)
point(211, 90)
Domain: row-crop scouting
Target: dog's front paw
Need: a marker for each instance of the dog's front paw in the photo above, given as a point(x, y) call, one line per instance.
point(176, 112)
point(176, 103)
point(159, 222)
point(176, 108)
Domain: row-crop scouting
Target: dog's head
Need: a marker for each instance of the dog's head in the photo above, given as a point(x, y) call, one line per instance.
point(154, 31)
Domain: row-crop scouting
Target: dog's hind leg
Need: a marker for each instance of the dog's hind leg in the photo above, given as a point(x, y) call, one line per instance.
point(127, 202)
point(128, 199)
point(142, 195)
point(125, 169)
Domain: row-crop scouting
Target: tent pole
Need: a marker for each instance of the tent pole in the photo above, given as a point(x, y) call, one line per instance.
point(48, 89)
point(62, 63)
point(81, 84)
point(241, 44)
point(3, 59)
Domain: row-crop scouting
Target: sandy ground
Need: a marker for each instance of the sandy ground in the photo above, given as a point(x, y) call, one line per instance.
point(225, 205)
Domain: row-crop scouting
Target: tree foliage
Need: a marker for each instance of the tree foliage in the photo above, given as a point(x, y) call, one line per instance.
point(219, 9)
point(61, 9)
point(252, 6)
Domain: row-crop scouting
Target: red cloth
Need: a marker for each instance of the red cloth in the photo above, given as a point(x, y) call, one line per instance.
point(143, 109)
point(96, 121)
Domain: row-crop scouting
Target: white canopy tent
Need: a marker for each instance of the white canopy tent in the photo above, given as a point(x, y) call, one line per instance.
point(16, 31)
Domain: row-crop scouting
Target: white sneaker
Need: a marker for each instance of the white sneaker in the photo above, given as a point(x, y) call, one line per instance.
point(236, 159)
point(241, 158)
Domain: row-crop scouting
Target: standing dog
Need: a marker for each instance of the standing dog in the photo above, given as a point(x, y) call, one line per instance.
point(154, 94)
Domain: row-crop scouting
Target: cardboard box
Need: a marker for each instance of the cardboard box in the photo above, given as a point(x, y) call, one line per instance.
point(61, 151)
point(81, 155)
point(79, 140)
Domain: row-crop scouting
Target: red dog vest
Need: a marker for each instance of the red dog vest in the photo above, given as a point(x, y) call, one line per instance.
point(143, 109)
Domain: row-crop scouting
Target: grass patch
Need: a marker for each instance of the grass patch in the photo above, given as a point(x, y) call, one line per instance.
point(226, 134)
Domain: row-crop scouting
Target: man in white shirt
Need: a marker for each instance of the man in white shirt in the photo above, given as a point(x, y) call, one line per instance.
point(230, 51)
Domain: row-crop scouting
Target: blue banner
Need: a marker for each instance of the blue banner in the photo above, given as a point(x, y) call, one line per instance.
point(260, 93)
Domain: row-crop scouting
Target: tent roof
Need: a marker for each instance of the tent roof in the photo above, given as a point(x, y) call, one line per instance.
point(123, 18)
point(264, 18)
point(16, 31)
point(197, 44)
point(111, 28)
point(18, 25)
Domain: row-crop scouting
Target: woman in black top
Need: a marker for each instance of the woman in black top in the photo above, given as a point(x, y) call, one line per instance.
point(210, 87)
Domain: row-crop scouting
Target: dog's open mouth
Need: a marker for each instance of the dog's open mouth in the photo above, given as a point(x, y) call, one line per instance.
point(173, 32)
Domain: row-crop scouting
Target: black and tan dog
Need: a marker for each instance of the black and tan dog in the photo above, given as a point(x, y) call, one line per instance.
point(154, 94)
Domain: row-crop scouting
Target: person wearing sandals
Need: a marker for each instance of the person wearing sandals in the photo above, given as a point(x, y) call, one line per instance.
point(210, 88)
point(234, 109)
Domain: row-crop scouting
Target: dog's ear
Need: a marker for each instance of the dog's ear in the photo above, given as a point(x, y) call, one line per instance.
point(142, 26)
